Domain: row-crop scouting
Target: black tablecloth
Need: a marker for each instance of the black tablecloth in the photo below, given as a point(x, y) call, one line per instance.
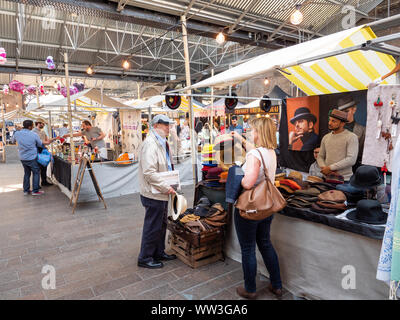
point(370, 231)
point(62, 171)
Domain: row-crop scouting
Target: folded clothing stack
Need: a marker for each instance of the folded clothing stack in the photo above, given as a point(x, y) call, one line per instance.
point(331, 202)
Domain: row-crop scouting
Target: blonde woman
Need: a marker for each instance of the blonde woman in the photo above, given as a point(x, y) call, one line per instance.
point(250, 232)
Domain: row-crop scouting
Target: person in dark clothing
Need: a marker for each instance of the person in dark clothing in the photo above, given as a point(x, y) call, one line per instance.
point(303, 138)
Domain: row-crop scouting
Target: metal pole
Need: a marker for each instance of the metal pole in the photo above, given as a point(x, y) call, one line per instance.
point(188, 84)
point(212, 110)
point(50, 132)
point(3, 132)
point(72, 145)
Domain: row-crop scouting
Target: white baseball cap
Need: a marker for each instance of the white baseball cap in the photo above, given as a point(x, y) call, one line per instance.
point(162, 118)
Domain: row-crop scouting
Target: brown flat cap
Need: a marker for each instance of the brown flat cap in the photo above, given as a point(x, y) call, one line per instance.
point(340, 115)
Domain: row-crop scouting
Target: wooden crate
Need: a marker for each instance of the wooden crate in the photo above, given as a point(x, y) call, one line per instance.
point(195, 239)
point(196, 257)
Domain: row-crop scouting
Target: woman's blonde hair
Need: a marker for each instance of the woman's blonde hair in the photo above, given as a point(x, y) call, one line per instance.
point(266, 130)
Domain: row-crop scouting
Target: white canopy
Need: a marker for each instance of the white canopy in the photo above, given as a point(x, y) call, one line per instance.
point(84, 96)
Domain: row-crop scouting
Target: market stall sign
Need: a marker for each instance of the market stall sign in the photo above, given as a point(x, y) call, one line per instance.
point(274, 109)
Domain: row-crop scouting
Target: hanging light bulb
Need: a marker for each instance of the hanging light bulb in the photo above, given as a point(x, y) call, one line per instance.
point(266, 81)
point(126, 64)
point(89, 70)
point(297, 17)
point(220, 38)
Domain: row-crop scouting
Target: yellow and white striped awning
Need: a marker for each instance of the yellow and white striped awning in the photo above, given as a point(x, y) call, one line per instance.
point(346, 72)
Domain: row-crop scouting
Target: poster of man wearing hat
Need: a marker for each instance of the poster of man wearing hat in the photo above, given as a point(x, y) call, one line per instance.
point(303, 114)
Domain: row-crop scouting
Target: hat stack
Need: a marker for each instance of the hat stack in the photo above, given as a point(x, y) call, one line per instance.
point(212, 178)
point(207, 159)
point(331, 202)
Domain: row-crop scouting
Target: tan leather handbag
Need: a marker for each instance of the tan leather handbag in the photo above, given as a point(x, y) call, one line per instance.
point(261, 201)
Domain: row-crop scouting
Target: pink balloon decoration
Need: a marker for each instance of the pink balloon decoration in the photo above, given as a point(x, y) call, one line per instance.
point(17, 86)
point(31, 89)
point(3, 56)
point(72, 91)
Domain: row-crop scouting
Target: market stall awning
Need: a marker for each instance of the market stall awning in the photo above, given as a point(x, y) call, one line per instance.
point(341, 73)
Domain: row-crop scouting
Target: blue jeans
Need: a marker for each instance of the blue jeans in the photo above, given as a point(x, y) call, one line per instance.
point(31, 166)
point(249, 233)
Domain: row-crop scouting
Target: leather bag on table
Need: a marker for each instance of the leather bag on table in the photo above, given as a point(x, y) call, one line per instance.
point(261, 201)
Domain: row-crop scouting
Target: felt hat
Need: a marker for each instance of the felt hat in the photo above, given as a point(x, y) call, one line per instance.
point(332, 205)
point(312, 179)
point(214, 173)
point(368, 211)
point(334, 196)
point(303, 113)
point(366, 177)
point(285, 188)
point(340, 115)
point(178, 205)
point(295, 175)
point(280, 176)
point(334, 179)
point(315, 207)
point(290, 183)
point(41, 120)
point(223, 177)
point(310, 192)
point(345, 103)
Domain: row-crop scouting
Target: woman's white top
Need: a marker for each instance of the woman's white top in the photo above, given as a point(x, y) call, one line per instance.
point(269, 156)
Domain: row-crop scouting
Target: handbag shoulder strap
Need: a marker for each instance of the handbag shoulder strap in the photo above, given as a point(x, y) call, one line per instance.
point(264, 166)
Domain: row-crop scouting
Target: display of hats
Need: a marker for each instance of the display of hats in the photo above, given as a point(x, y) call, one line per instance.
point(368, 211)
point(334, 179)
point(366, 177)
point(331, 202)
point(312, 179)
point(208, 159)
point(223, 141)
point(206, 168)
point(214, 173)
point(178, 205)
point(321, 186)
point(332, 205)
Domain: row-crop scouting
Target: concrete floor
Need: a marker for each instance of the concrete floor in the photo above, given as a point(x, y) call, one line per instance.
point(94, 252)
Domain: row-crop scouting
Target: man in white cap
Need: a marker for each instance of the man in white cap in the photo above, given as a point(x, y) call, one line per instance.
point(155, 157)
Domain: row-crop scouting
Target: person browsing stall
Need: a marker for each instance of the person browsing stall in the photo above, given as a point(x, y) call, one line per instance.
point(154, 158)
point(28, 144)
point(91, 135)
point(252, 232)
point(339, 148)
point(39, 125)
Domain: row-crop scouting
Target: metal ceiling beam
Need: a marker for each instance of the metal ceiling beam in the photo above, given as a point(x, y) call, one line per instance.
point(342, 5)
point(248, 8)
point(144, 17)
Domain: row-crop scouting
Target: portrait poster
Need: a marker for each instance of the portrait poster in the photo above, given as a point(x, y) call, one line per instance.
point(131, 131)
point(303, 123)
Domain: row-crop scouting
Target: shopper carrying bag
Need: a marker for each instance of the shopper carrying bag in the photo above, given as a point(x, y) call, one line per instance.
point(258, 195)
point(262, 200)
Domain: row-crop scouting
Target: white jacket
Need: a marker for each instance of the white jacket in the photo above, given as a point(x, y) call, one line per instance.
point(152, 160)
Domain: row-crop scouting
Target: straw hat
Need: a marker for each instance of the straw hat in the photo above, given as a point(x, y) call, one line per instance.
point(178, 205)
